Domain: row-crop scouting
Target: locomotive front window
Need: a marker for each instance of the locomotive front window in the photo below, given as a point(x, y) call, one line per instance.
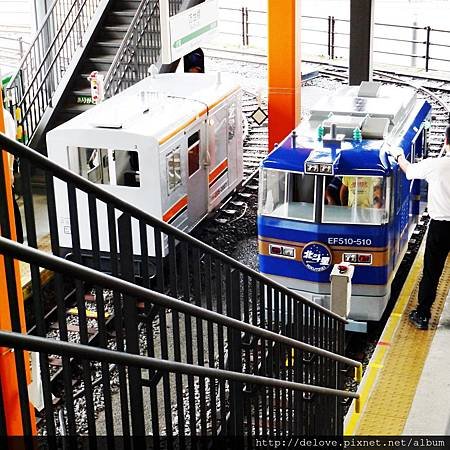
point(287, 195)
point(105, 166)
point(359, 200)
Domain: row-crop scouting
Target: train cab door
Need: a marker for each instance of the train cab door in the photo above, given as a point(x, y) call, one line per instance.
point(197, 175)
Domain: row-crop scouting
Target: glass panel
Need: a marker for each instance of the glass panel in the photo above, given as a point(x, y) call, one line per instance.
point(361, 200)
point(173, 162)
point(287, 195)
point(127, 168)
point(194, 153)
point(105, 166)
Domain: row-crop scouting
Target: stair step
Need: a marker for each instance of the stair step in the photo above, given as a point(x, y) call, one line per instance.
point(124, 12)
point(120, 18)
point(82, 92)
point(115, 28)
point(115, 43)
point(75, 109)
point(104, 59)
point(100, 51)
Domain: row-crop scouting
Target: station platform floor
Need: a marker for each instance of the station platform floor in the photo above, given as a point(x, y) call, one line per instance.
point(406, 387)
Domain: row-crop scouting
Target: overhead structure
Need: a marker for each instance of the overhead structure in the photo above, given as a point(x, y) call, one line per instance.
point(284, 75)
point(361, 41)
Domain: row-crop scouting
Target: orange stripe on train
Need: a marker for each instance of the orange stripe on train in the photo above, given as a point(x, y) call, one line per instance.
point(179, 205)
point(216, 172)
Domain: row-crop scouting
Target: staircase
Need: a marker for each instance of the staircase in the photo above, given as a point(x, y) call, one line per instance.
point(99, 56)
point(118, 38)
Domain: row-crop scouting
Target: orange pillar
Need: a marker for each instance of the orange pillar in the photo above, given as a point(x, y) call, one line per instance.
point(284, 68)
point(8, 374)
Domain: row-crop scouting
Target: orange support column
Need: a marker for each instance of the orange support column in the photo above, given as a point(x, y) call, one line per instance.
point(284, 68)
point(8, 370)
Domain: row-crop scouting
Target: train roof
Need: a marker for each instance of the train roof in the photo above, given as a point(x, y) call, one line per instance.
point(157, 106)
point(380, 123)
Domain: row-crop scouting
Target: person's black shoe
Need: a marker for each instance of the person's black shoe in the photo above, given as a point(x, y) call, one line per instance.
point(419, 321)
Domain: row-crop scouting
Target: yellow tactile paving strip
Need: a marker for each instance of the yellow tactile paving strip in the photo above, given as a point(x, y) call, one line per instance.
point(394, 371)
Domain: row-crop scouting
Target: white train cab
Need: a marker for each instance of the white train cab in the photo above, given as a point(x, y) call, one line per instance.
point(171, 145)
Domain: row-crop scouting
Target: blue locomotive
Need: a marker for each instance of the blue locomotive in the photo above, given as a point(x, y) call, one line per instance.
point(330, 193)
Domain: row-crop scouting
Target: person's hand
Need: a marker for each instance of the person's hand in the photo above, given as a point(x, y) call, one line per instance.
point(395, 152)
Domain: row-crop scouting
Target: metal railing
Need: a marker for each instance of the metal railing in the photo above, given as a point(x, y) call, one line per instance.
point(140, 48)
point(407, 45)
point(46, 61)
point(12, 50)
point(208, 310)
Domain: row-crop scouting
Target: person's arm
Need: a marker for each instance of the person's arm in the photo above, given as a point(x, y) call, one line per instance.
point(402, 162)
point(419, 171)
point(343, 195)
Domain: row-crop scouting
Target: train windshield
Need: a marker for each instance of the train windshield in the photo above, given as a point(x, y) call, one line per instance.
point(287, 195)
point(345, 200)
point(359, 200)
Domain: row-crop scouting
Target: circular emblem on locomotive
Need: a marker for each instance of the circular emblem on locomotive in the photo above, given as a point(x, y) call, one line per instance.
point(316, 257)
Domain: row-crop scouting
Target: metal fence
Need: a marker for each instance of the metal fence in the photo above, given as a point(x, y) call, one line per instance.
point(12, 50)
point(205, 310)
point(424, 47)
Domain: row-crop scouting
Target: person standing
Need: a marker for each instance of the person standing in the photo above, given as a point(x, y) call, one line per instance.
point(435, 171)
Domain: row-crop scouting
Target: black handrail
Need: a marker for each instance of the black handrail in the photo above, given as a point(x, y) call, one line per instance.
point(78, 271)
point(139, 16)
point(41, 161)
point(51, 346)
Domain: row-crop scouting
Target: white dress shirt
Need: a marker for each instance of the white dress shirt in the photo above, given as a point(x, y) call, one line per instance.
point(436, 171)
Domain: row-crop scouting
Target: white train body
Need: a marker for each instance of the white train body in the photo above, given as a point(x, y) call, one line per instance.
point(171, 145)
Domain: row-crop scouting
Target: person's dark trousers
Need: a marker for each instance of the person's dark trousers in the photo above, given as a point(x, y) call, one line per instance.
point(436, 252)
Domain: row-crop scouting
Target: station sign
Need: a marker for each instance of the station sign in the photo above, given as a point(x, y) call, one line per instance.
point(183, 32)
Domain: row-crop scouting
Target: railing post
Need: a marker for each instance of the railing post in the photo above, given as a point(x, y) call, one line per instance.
point(246, 28)
point(333, 35)
point(130, 319)
point(414, 44)
point(329, 37)
point(243, 26)
point(80, 31)
point(20, 46)
point(235, 359)
point(427, 49)
point(14, 372)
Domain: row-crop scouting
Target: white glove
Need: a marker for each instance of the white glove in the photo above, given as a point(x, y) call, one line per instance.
point(395, 152)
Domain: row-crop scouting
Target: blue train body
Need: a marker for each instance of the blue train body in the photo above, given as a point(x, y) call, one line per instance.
point(330, 193)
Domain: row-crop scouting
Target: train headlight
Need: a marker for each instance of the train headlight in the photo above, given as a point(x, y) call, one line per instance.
point(358, 258)
point(289, 252)
point(276, 250)
point(351, 257)
point(280, 250)
point(364, 258)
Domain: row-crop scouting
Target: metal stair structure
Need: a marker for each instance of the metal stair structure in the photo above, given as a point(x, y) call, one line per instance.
point(118, 38)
